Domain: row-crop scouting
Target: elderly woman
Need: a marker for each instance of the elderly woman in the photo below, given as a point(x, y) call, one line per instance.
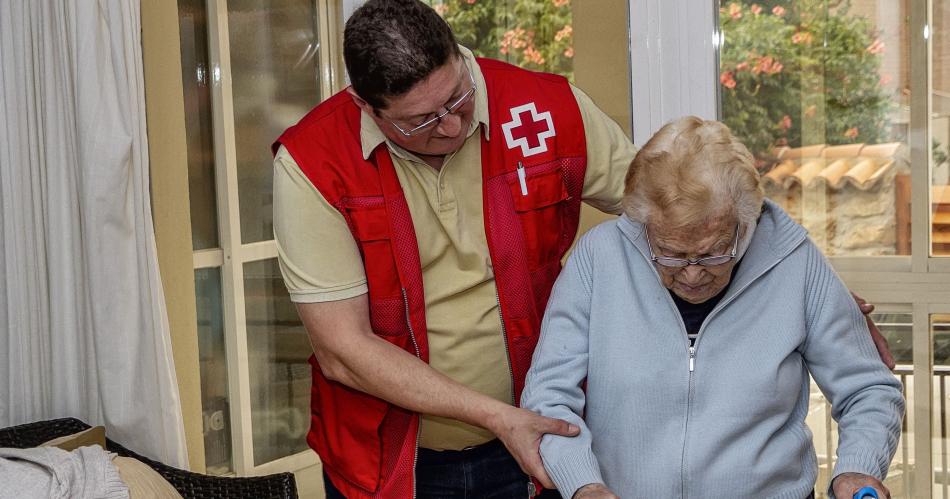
point(680, 338)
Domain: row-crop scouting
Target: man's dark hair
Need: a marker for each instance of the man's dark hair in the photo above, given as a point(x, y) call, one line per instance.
point(390, 45)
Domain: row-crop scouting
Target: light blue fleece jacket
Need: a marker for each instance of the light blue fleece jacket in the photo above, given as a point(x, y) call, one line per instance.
point(733, 424)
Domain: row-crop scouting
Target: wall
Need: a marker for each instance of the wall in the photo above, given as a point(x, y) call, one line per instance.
point(602, 68)
point(168, 165)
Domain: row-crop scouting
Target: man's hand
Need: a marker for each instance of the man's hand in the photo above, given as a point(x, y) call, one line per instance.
point(594, 491)
point(846, 484)
point(879, 341)
point(521, 431)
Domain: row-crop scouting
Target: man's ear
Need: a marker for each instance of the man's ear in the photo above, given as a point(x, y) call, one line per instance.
point(360, 103)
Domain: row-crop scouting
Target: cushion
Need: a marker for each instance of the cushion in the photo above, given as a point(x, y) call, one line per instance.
point(143, 481)
point(93, 436)
point(140, 478)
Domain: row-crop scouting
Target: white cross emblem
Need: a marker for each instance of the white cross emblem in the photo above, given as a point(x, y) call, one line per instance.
point(528, 129)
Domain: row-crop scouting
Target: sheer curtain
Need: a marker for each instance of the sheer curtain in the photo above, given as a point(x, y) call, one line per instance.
point(83, 328)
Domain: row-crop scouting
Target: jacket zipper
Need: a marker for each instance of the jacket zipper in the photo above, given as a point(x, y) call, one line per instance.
point(412, 336)
point(689, 400)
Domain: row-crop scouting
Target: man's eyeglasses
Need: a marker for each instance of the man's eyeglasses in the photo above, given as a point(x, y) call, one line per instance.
point(708, 261)
point(450, 109)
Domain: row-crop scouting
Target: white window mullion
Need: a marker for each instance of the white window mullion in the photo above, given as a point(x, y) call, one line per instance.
point(207, 258)
point(253, 252)
point(674, 62)
point(331, 67)
point(922, 396)
point(232, 274)
point(918, 137)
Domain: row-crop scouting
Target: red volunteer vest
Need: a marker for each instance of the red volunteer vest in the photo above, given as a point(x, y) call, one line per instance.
point(367, 445)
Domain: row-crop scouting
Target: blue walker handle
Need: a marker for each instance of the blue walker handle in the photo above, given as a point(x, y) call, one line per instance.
point(866, 492)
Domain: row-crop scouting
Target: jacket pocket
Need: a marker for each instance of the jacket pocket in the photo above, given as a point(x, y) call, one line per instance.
point(369, 223)
point(344, 430)
point(540, 205)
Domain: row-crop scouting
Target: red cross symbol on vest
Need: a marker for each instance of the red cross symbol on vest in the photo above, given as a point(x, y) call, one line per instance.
point(528, 129)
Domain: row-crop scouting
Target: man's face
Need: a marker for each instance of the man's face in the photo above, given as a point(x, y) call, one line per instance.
point(448, 88)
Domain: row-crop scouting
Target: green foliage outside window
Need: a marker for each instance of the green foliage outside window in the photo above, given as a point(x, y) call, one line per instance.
point(801, 74)
point(533, 34)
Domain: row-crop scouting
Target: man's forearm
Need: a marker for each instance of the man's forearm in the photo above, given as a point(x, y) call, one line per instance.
point(379, 368)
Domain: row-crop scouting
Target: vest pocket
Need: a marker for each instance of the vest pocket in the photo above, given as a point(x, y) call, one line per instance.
point(388, 316)
point(344, 430)
point(540, 206)
point(369, 224)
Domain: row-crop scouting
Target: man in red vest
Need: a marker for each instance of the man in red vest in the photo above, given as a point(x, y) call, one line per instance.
point(421, 216)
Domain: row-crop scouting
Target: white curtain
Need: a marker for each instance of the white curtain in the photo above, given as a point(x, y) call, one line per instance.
point(83, 327)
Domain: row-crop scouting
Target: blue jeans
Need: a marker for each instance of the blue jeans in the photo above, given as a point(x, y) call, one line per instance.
point(486, 471)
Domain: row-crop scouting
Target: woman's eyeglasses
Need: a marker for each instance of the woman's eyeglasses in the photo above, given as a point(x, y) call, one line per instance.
point(707, 261)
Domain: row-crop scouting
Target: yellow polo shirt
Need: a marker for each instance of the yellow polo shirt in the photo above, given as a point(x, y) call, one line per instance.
point(320, 261)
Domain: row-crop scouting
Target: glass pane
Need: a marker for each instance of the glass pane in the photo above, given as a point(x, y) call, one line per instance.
point(275, 71)
point(215, 406)
point(819, 92)
point(534, 34)
point(193, 25)
point(940, 128)
point(940, 329)
point(278, 349)
point(897, 329)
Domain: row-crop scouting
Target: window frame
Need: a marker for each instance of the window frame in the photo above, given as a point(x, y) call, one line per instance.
point(232, 254)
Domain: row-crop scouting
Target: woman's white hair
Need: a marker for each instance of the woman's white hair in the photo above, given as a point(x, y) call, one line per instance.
point(690, 171)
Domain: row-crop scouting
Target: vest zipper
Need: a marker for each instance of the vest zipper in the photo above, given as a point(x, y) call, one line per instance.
point(412, 336)
point(504, 335)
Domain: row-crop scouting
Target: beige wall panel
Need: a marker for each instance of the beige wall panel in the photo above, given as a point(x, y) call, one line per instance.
point(170, 208)
point(602, 68)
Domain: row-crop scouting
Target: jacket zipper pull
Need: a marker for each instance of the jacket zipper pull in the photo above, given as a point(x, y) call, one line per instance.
point(692, 358)
point(521, 179)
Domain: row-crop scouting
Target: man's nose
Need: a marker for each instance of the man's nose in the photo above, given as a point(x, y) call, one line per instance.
point(450, 125)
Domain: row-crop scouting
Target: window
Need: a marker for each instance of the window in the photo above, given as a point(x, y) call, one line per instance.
point(841, 103)
point(819, 92)
point(251, 68)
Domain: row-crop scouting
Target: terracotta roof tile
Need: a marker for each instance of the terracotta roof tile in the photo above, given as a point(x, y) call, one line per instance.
point(858, 165)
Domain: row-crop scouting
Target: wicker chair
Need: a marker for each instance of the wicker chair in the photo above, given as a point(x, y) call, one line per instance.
point(188, 484)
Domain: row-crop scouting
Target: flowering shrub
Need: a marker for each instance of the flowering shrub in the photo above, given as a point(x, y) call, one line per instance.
point(534, 34)
point(809, 62)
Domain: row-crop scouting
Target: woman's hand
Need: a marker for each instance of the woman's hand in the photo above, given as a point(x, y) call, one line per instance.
point(846, 484)
point(595, 491)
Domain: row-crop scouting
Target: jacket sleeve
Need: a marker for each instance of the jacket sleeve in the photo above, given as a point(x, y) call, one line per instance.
point(559, 367)
point(865, 396)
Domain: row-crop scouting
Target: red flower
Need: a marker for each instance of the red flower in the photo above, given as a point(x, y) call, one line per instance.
point(755, 9)
point(778, 10)
point(735, 11)
point(876, 47)
point(785, 123)
point(802, 37)
point(851, 133)
point(767, 65)
point(742, 66)
point(727, 80)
